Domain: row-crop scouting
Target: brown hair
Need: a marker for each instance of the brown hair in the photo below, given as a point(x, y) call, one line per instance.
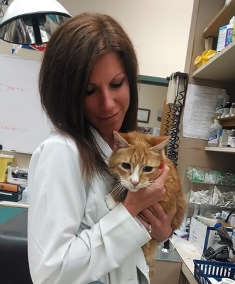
point(67, 64)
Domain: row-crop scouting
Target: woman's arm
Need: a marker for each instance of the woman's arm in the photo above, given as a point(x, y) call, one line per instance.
point(58, 253)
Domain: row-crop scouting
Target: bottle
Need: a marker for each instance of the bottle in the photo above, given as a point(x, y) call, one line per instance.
point(215, 132)
point(222, 98)
point(227, 107)
point(229, 32)
point(233, 247)
point(232, 220)
point(25, 196)
point(231, 139)
point(232, 109)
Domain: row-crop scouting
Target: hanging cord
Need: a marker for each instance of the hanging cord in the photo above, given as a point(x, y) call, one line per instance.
point(167, 122)
point(173, 116)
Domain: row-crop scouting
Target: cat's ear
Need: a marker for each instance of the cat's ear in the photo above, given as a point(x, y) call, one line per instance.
point(119, 141)
point(161, 143)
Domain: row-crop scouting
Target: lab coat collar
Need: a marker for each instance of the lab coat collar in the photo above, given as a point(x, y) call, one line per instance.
point(100, 141)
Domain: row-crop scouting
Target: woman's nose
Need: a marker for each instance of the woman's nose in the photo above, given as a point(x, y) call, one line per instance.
point(106, 100)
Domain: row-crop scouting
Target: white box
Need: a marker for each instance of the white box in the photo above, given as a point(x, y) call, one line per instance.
point(203, 236)
point(221, 38)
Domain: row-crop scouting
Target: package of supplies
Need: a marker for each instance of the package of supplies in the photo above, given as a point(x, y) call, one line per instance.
point(5, 161)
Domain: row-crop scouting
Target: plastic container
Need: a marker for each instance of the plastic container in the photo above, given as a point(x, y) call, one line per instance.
point(231, 139)
point(5, 161)
point(227, 107)
point(215, 131)
point(222, 98)
point(229, 31)
point(25, 196)
point(203, 270)
point(232, 109)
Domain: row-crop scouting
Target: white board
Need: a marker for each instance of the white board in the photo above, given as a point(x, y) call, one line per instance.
point(23, 124)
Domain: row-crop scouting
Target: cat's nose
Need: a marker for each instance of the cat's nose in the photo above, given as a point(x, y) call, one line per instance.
point(135, 183)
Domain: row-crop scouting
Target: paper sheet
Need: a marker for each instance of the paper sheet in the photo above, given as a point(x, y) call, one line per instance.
point(199, 111)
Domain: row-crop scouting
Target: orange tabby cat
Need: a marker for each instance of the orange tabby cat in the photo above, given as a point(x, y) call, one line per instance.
point(135, 159)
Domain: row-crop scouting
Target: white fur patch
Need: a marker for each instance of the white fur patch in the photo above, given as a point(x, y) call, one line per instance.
point(110, 202)
point(135, 176)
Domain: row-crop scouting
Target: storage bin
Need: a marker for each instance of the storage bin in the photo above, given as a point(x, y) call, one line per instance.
point(5, 161)
point(211, 269)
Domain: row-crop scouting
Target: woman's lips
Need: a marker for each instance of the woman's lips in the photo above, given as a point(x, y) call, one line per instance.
point(110, 117)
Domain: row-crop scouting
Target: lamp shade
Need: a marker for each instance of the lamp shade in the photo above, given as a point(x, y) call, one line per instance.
point(31, 21)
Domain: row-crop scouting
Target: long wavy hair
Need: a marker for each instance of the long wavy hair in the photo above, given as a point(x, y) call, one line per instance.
point(68, 60)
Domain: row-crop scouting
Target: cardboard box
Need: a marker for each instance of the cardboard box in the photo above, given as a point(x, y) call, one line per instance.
point(9, 187)
point(221, 38)
point(203, 236)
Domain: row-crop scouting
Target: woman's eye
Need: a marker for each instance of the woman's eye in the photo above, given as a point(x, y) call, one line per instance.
point(147, 169)
point(117, 84)
point(126, 166)
point(90, 92)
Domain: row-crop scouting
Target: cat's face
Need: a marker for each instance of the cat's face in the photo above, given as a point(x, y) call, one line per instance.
point(136, 158)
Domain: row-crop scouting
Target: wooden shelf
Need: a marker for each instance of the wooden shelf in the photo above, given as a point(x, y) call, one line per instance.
point(220, 67)
point(221, 149)
point(227, 121)
point(221, 19)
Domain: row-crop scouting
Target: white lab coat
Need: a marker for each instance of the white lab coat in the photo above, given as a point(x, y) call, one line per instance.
point(73, 238)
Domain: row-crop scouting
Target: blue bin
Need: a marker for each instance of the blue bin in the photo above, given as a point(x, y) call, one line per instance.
point(212, 269)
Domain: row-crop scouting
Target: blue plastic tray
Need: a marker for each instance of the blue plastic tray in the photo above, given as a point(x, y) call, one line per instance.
point(218, 270)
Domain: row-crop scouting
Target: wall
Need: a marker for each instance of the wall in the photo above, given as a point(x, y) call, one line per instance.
point(159, 30)
point(152, 98)
point(160, 36)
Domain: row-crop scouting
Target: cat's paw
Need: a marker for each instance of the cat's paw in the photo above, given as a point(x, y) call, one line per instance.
point(110, 202)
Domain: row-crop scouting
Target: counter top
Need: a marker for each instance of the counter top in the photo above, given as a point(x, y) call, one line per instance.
point(188, 253)
point(19, 204)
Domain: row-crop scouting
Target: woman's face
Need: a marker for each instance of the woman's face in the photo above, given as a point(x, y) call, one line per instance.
point(108, 95)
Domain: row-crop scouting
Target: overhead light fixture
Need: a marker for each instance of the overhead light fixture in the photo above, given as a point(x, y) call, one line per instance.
point(31, 21)
point(2, 2)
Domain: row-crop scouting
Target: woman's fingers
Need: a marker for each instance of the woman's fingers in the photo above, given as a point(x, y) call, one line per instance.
point(163, 173)
point(160, 180)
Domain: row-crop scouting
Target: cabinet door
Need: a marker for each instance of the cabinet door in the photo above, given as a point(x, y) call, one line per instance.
point(166, 272)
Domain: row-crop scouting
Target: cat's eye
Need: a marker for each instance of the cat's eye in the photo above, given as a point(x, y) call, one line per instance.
point(147, 169)
point(126, 166)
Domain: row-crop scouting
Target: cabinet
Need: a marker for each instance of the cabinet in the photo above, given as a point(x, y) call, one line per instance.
point(210, 191)
point(221, 66)
point(219, 72)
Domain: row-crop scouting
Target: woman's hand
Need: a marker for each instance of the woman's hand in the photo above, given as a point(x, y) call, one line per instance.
point(157, 221)
point(136, 202)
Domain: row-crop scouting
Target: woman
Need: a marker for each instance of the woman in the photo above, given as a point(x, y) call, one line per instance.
point(88, 88)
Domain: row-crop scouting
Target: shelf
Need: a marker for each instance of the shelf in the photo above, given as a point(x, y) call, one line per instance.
point(220, 149)
point(210, 183)
point(221, 19)
point(220, 67)
point(228, 121)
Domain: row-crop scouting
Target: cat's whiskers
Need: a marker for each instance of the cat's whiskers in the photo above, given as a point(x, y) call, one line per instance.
point(117, 189)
